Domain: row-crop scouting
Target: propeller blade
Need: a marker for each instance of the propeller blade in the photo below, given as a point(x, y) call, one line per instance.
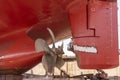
point(41, 45)
point(52, 36)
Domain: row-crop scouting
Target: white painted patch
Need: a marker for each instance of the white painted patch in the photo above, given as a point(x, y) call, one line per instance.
point(88, 49)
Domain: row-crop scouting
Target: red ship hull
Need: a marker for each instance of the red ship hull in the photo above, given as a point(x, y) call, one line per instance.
point(19, 55)
point(93, 23)
point(17, 51)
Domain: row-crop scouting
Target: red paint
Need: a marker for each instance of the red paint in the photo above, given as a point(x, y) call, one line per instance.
point(94, 24)
point(18, 54)
point(23, 21)
point(18, 31)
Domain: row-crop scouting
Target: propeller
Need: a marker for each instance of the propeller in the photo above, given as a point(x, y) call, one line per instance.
point(41, 44)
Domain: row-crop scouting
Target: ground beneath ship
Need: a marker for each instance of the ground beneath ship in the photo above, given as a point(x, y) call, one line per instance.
point(38, 77)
